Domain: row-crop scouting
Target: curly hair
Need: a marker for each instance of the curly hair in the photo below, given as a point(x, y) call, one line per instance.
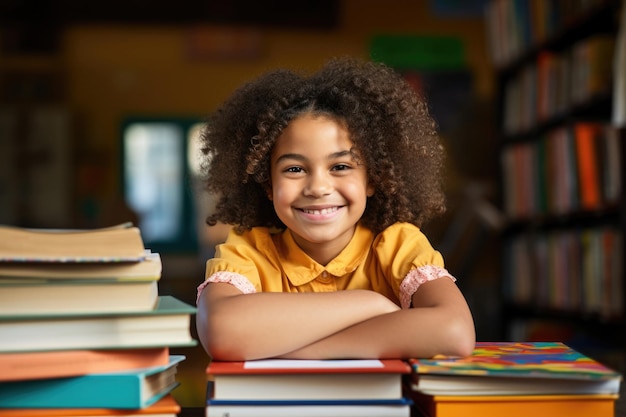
point(388, 122)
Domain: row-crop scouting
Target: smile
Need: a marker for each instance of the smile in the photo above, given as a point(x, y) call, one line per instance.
point(321, 212)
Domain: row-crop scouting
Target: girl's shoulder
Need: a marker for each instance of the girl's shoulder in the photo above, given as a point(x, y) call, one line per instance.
point(256, 237)
point(405, 242)
point(399, 231)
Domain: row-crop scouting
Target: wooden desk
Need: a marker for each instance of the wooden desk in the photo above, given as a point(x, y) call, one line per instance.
point(192, 412)
point(620, 405)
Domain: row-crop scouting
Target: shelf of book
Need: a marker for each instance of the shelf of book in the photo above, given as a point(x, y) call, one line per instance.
point(562, 159)
point(519, 30)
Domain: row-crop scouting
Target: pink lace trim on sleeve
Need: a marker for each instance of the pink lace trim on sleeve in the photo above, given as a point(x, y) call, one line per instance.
point(417, 277)
point(239, 281)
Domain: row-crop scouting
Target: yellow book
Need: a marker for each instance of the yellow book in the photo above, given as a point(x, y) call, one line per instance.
point(600, 405)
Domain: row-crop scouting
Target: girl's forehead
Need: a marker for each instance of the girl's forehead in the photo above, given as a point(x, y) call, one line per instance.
point(312, 132)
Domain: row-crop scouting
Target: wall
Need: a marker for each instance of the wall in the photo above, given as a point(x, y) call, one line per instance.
point(116, 71)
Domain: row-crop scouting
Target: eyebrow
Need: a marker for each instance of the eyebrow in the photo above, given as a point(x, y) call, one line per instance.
point(300, 157)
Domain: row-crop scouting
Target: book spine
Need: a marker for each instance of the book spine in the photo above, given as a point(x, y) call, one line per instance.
point(567, 270)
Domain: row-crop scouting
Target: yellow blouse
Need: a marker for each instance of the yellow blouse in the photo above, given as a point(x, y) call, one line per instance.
point(393, 263)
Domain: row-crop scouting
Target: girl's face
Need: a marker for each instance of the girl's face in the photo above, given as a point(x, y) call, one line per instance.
point(318, 189)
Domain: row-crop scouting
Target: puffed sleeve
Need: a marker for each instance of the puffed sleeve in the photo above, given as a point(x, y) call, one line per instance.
point(236, 262)
point(407, 260)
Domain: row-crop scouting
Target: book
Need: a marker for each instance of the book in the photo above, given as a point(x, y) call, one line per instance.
point(395, 408)
point(168, 324)
point(586, 137)
point(65, 363)
point(592, 66)
point(149, 268)
point(612, 164)
point(165, 407)
point(79, 287)
point(619, 83)
point(280, 379)
point(73, 296)
point(125, 389)
point(112, 244)
point(599, 405)
point(515, 368)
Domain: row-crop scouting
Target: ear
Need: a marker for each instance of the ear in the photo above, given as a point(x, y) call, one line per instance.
point(370, 190)
point(269, 191)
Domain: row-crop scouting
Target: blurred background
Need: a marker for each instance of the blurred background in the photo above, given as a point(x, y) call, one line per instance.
point(100, 104)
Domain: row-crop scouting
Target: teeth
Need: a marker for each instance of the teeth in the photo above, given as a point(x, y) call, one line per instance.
point(321, 212)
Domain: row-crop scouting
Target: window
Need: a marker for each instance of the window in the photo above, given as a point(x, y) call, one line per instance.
point(159, 165)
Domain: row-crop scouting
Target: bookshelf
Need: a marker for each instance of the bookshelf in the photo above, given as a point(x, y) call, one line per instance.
point(37, 138)
point(562, 162)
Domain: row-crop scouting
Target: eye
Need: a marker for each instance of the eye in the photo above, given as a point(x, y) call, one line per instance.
point(341, 167)
point(293, 169)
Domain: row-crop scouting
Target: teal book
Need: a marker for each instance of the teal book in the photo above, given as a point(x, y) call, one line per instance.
point(132, 389)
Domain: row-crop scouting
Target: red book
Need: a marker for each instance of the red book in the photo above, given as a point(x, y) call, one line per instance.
point(586, 135)
point(281, 379)
point(65, 363)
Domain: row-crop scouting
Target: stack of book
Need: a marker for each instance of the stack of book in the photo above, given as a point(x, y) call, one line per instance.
point(538, 379)
point(83, 329)
point(280, 387)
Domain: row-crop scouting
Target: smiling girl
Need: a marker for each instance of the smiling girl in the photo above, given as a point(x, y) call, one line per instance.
point(327, 180)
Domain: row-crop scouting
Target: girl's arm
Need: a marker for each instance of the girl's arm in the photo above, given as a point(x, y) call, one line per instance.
point(439, 322)
point(234, 326)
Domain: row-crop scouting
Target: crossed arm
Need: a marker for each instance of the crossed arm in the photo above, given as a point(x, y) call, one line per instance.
point(343, 324)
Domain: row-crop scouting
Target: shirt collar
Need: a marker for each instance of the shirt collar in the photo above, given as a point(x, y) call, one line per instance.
point(301, 269)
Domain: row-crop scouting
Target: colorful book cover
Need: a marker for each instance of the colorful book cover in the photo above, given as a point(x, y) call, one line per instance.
point(518, 359)
point(137, 388)
point(515, 368)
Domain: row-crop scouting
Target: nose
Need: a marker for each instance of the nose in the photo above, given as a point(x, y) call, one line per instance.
point(318, 184)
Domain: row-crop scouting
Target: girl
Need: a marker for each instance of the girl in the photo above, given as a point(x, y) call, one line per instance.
point(327, 180)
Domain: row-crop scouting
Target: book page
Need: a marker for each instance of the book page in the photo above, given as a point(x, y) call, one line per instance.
point(312, 364)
